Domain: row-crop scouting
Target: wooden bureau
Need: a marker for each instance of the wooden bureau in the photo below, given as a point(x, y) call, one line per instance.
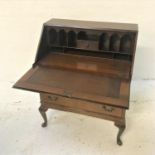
point(84, 67)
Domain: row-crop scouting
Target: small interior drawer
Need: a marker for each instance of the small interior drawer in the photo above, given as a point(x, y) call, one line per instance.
point(50, 99)
point(88, 45)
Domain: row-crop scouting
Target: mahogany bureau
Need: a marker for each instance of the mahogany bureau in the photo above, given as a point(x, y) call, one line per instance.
point(84, 67)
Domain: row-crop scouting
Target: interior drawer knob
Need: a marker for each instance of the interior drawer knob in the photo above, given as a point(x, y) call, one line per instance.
point(53, 98)
point(108, 108)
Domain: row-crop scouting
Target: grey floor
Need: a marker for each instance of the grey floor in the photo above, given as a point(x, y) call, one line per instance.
point(73, 134)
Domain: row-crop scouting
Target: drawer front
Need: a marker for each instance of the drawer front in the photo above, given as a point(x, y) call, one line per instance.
point(81, 104)
point(88, 45)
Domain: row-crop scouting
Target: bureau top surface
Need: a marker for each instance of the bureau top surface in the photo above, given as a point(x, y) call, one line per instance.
point(92, 25)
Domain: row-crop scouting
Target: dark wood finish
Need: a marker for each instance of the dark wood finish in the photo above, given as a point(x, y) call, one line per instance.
point(80, 85)
point(78, 104)
point(42, 110)
point(92, 25)
point(84, 67)
point(108, 67)
point(121, 127)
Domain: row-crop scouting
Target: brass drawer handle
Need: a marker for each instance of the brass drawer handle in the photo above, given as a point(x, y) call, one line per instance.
point(53, 98)
point(108, 108)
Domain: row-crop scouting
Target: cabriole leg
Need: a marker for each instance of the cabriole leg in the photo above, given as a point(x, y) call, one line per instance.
point(42, 110)
point(121, 127)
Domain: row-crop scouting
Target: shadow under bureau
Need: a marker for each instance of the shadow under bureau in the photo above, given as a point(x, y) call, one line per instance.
point(84, 67)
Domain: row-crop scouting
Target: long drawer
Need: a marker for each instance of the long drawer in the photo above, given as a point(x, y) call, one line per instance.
point(51, 99)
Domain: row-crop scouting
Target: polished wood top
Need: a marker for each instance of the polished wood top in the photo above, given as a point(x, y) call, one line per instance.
point(92, 25)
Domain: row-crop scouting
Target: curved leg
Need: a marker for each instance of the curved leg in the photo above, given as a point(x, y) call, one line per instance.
point(42, 110)
point(121, 127)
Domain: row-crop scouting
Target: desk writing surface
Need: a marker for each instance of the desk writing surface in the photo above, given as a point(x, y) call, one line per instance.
point(76, 84)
